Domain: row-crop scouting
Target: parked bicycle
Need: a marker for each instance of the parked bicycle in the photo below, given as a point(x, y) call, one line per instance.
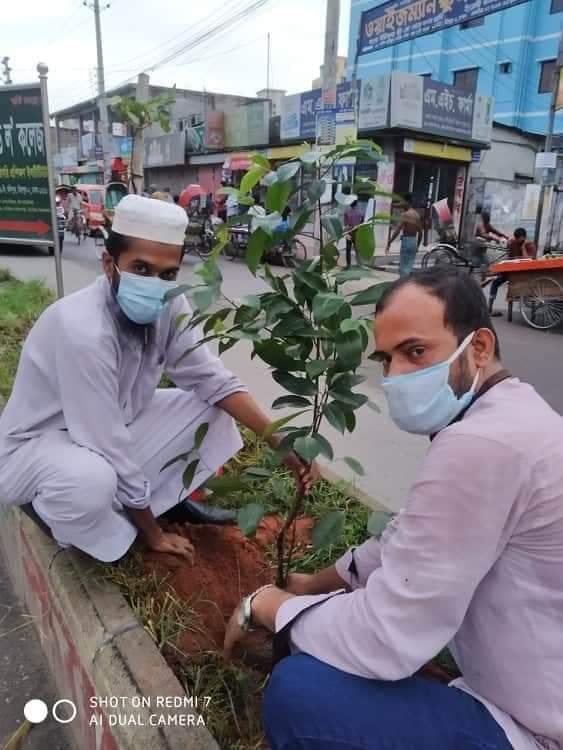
point(472, 256)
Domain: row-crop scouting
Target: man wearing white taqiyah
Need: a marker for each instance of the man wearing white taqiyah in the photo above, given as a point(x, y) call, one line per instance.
point(86, 432)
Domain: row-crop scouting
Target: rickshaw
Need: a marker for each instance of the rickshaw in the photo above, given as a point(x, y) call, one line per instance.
point(200, 235)
point(92, 206)
point(115, 191)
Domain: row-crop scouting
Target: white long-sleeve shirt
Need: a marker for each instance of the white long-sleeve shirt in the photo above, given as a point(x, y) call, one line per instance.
point(474, 561)
point(86, 369)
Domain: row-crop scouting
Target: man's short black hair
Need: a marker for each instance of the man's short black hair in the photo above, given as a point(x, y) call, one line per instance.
point(407, 197)
point(520, 232)
point(465, 307)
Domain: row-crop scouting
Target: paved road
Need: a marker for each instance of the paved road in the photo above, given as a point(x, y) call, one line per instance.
point(389, 456)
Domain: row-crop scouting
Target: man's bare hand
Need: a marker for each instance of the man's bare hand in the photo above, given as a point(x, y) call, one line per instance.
point(174, 544)
point(305, 475)
point(300, 584)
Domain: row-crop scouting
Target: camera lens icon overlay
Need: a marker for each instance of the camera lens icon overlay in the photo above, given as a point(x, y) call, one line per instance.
point(64, 711)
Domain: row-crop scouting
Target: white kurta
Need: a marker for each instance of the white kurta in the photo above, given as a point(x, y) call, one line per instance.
point(86, 432)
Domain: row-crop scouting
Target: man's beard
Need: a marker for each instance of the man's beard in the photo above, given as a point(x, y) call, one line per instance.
point(463, 379)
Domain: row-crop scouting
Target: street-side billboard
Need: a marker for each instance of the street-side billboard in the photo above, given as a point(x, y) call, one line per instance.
point(290, 126)
point(374, 102)
point(419, 103)
point(165, 150)
point(400, 20)
point(25, 209)
point(299, 112)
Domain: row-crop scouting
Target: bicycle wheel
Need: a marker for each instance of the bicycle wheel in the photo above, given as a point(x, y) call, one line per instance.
point(438, 256)
point(294, 255)
point(543, 307)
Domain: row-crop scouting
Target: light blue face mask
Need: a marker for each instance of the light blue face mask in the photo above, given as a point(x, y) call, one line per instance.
point(423, 402)
point(142, 297)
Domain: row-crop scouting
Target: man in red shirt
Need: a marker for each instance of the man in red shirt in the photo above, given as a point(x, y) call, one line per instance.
point(518, 247)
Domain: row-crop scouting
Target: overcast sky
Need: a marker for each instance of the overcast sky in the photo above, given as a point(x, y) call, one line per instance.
point(138, 33)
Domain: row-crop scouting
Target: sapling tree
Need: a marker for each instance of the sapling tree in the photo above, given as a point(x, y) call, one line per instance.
point(304, 327)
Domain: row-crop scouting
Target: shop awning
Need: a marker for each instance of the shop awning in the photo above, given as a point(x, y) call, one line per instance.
point(439, 150)
point(238, 162)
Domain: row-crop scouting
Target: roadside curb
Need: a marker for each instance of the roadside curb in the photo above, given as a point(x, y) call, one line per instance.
point(95, 647)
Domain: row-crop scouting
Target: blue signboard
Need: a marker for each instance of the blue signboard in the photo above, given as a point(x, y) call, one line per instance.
point(446, 110)
point(311, 103)
point(400, 20)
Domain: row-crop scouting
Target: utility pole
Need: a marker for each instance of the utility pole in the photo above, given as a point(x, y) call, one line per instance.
point(137, 166)
point(331, 53)
point(268, 69)
point(7, 71)
point(102, 103)
point(554, 105)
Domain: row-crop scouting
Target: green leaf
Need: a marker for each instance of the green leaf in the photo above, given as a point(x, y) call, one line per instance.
point(333, 225)
point(373, 406)
point(350, 420)
point(377, 522)
point(255, 249)
point(249, 517)
point(297, 386)
point(317, 367)
point(326, 304)
point(349, 347)
point(218, 316)
point(189, 474)
point(311, 279)
point(179, 290)
point(286, 171)
point(284, 401)
point(181, 457)
point(273, 427)
point(225, 345)
point(258, 472)
point(261, 160)
point(364, 241)
point(353, 274)
point(330, 256)
point(310, 157)
point(315, 190)
point(204, 298)
point(355, 400)
point(328, 530)
point(307, 447)
point(277, 196)
point(274, 354)
point(345, 200)
point(200, 434)
point(326, 447)
point(335, 417)
point(301, 219)
point(222, 485)
point(355, 465)
point(269, 179)
point(250, 179)
point(371, 295)
point(350, 324)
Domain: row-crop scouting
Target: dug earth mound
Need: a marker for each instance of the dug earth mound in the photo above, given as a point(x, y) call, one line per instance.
point(226, 567)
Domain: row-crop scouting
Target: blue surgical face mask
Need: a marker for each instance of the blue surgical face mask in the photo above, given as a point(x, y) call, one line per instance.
point(423, 402)
point(142, 297)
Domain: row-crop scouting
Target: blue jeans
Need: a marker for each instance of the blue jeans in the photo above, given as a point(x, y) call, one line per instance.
point(311, 706)
point(408, 255)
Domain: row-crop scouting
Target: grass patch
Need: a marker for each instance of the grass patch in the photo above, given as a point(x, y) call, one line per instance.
point(21, 303)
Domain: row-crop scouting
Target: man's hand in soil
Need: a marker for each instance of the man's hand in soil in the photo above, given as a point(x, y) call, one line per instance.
point(174, 544)
point(305, 475)
point(265, 606)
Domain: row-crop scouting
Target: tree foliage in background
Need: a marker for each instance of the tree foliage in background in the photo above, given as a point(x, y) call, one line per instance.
point(304, 327)
point(141, 115)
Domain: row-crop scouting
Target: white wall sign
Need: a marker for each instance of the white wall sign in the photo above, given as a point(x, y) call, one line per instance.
point(406, 100)
point(546, 160)
point(290, 117)
point(374, 102)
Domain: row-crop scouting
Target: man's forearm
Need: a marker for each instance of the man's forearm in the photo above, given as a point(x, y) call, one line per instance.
point(244, 409)
point(145, 521)
point(326, 581)
point(394, 235)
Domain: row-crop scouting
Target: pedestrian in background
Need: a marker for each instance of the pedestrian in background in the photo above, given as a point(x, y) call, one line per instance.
point(410, 229)
point(353, 216)
point(518, 247)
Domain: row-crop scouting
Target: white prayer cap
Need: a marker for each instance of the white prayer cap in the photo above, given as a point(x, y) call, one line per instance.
point(148, 219)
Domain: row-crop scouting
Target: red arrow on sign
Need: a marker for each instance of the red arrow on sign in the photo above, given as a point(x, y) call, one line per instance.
point(33, 227)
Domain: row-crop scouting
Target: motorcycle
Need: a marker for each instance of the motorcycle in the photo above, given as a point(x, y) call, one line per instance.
point(288, 252)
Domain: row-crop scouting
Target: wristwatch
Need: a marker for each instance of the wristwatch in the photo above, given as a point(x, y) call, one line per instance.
point(244, 613)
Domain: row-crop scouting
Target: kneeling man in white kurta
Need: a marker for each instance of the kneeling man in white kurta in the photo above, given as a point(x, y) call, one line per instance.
point(86, 431)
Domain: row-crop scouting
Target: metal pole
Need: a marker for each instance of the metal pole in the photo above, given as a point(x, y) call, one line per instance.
point(42, 69)
point(548, 143)
point(268, 69)
point(102, 94)
point(330, 53)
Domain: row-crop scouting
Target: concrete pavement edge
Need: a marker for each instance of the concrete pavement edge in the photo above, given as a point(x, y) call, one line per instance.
point(93, 644)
